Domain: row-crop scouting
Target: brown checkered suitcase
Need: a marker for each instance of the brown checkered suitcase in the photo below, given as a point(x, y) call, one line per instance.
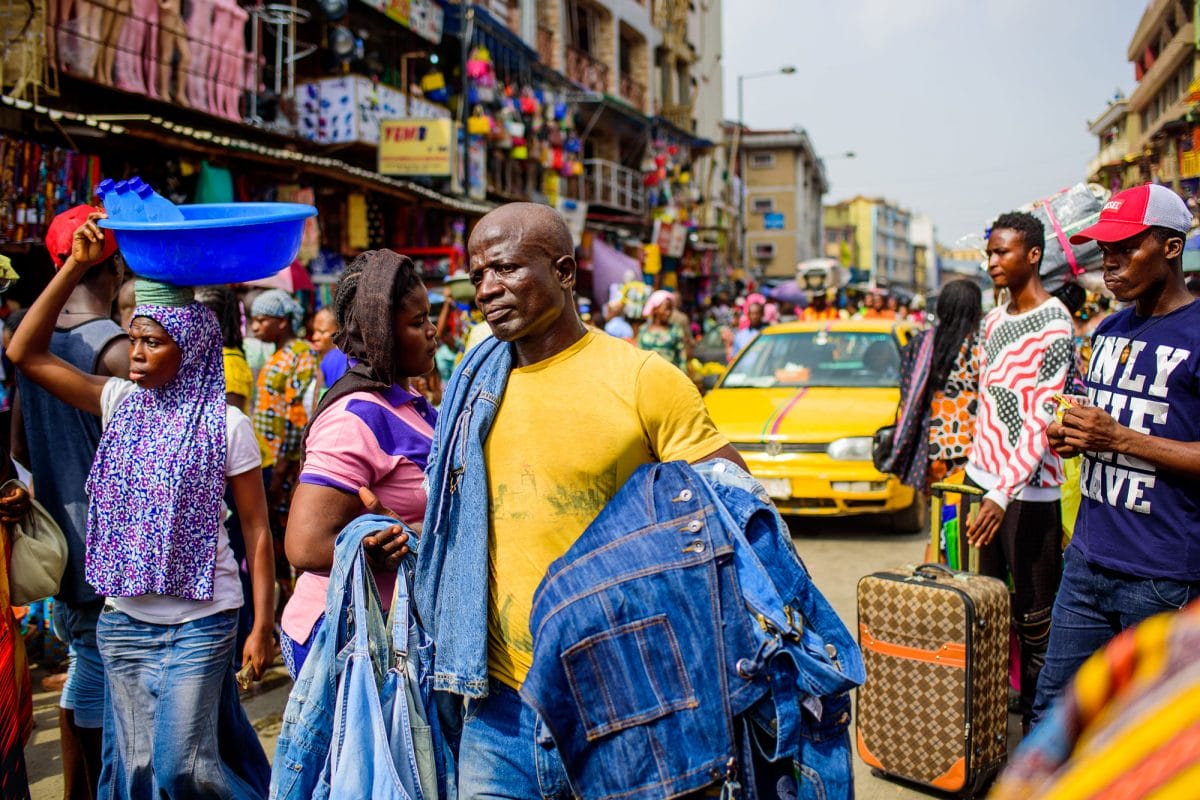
point(934, 707)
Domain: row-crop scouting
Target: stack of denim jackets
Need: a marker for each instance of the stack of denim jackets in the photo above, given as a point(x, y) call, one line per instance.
point(680, 631)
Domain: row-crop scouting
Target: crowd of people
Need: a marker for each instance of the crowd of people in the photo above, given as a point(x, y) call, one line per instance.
point(203, 460)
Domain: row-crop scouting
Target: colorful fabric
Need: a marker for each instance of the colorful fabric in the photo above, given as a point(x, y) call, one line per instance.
point(1023, 365)
point(279, 412)
point(280, 304)
point(1128, 726)
point(159, 475)
point(909, 457)
point(952, 409)
point(667, 342)
point(550, 472)
point(16, 697)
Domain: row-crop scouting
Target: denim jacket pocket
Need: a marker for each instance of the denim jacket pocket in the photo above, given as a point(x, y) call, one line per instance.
point(628, 676)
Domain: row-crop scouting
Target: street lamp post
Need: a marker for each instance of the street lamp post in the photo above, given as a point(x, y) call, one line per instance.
point(738, 155)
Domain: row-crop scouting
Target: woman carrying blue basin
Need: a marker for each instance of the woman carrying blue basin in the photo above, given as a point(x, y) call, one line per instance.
point(157, 548)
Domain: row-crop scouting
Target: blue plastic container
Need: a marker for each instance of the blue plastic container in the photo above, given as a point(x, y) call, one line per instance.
point(215, 243)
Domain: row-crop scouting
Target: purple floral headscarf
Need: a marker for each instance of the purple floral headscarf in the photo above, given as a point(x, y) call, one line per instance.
point(156, 485)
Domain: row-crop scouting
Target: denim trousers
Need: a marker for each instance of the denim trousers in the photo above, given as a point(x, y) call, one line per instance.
point(507, 752)
point(84, 691)
point(165, 683)
point(1094, 604)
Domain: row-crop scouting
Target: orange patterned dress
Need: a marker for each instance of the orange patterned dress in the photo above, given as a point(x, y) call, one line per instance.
point(952, 413)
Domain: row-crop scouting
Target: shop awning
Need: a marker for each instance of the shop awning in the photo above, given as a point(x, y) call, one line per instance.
point(165, 132)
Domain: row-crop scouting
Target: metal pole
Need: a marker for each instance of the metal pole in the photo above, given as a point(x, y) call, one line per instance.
point(741, 182)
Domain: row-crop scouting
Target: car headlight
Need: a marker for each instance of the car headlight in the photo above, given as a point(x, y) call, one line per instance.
point(855, 448)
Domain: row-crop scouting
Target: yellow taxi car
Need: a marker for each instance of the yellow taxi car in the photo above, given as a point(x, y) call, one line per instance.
point(801, 403)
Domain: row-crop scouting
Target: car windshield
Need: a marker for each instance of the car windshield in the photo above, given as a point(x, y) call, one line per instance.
point(817, 358)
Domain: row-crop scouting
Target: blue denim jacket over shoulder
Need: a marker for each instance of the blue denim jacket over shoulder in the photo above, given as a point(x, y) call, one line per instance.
point(451, 588)
point(680, 611)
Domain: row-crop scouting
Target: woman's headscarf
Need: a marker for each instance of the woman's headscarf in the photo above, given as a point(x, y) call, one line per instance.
point(365, 333)
point(157, 481)
point(655, 300)
point(278, 303)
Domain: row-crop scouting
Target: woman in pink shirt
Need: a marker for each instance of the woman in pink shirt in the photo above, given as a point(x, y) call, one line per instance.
point(370, 432)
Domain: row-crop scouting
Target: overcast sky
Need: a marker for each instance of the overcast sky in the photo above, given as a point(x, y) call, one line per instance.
point(960, 109)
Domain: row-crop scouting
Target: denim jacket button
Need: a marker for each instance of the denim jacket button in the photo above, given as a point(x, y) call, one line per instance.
point(685, 495)
point(695, 525)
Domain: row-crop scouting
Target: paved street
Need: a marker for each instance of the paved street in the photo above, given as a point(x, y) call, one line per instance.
point(838, 552)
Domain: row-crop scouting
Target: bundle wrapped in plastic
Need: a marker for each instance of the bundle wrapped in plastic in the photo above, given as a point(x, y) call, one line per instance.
point(1062, 215)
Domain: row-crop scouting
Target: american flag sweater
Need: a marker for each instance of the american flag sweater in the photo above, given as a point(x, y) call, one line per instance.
point(1023, 365)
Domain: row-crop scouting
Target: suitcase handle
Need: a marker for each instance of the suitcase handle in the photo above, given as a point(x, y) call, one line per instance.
point(938, 490)
point(925, 569)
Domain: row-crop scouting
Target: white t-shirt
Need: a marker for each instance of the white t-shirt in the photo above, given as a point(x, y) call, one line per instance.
point(241, 454)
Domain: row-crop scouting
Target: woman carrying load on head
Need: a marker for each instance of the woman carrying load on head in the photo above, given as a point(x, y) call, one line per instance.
point(157, 548)
point(368, 442)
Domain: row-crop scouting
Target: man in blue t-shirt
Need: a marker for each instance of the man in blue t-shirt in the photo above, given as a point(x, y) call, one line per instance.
point(1136, 548)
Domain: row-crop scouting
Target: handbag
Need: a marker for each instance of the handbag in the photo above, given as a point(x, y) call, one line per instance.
point(881, 448)
point(384, 734)
point(39, 553)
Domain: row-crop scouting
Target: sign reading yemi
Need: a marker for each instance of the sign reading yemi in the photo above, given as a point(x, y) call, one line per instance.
point(415, 147)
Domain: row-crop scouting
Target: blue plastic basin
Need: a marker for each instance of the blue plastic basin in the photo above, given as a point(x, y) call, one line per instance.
point(215, 243)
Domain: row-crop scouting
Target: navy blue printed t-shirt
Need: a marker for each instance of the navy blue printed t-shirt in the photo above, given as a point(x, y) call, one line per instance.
point(1133, 517)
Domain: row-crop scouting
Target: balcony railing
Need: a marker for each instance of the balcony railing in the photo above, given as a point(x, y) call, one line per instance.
point(678, 114)
point(587, 71)
point(609, 184)
point(633, 91)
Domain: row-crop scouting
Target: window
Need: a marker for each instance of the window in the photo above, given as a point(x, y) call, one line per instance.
point(763, 205)
point(764, 250)
point(762, 160)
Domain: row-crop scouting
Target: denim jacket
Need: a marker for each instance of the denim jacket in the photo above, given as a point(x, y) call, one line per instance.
point(680, 615)
point(301, 767)
point(451, 592)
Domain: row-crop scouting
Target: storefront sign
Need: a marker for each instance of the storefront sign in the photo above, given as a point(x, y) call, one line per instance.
point(773, 221)
point(575, 213)
point(1189, 164)
point(416, 147)
point(423, 17)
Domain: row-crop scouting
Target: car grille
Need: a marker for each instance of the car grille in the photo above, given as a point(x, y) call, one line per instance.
point(784, 447)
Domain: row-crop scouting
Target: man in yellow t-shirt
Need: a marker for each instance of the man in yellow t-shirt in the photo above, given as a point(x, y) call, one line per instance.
point(581, 411)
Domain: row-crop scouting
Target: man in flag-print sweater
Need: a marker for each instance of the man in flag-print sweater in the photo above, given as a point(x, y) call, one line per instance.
point(1027, 348)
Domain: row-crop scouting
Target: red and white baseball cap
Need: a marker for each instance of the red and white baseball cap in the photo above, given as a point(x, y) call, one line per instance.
point(1134, 210)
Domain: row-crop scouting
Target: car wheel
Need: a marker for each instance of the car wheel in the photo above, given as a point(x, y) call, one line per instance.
point(914, 519)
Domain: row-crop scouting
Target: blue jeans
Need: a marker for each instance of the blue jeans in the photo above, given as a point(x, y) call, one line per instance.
point(164, 685)
point(506, 751)
point(84, 690)
point(1094, 604)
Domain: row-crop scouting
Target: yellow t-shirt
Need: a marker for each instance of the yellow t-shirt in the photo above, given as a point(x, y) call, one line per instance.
point(569, 432)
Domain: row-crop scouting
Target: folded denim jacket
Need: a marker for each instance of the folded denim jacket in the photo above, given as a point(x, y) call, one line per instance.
point(680, 614)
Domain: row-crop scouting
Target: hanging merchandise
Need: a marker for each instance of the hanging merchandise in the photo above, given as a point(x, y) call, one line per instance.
point(433, 85)
point(38, 181)
point(479, 67)
point(479, 123)
point(213, 185)
point(357, 232)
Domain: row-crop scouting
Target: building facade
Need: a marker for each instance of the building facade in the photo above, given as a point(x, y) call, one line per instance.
point(782, 212)
point(1154, 134)
point(874, 237)
point(587, 105)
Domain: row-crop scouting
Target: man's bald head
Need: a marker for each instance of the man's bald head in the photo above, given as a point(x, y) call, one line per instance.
point(533, 224)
